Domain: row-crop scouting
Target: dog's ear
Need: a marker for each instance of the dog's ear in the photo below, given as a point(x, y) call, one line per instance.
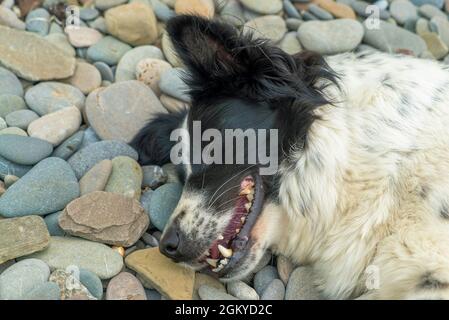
point(153, 143)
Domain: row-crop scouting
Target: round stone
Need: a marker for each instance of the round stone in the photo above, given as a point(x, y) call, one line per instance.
point(47, 97)
point(92, 283)
point(205, 8)
point(171, 83)
point(210, 293)
point(126, 177)
point(88, 14)
point(264, 277)
point(24, 150)
point(13, 130)
point(3, 124)
point(38, 21)
point(9, 18)
point(69, 146)
point(438, 24)
point(232, 12)
point(163, 202)
point(44, 291)
point(9, 83)
point(290, 43)
point(172, 104)
point(337, 9)
point(7, 167)
point(149, 71)
point(435, 45)
point(331, 37)
point(300, 286)
point(108, 50)
point(269, 27)
point(10, 103)
point(319, 12)
point(52, 222)
point(119, 111)
point(107, 4)
point(46, 188)
point(403, 10)
point(242, 291)
point(60, 40)
point(125, 286)
point(99, 24)
point(22, 277)
point(105, 71)
point(126, 68)
point(263, 6)
point(274, 291)
point(96, 178)
point(87, 78)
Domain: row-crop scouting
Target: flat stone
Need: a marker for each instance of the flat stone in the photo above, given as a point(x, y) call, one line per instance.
point(107, 4)
point(44, 291)
point(96, 178)
point(3, 124)
point(48, 187)
point(70, 287)
point(10, 180)
point(232, 12)
point(290, 43)
point(204, 8)
point(10, 103)
point(263, 6)
point(126, 177)
point(22, 236)
point(149, 71)
point(67, 148)
point(99, 24)
point(24, 150)
point(437, 3)
point(171, 83)
point(87, 78)
point(105, 217)
point(47, 97)
point(38, 21)
point(87, 157)
point(242, 291)
point(125, 286)
point(435, 45)
point(52, 222)
point(133, 23)
point(21, 118)
point(33, 58)
point(21, 278)
point(9, 83)
point(274, 291)
point(163, 202)
point(441, 26)
point(162, 11)
point(210, 293)
point(108, 50)
point(105, 71)
point(429, 11)
point(88, 14)
point(300, 285)
point(96, 257)
point(337, 9)
point(319, 12)
point(167, 277)
point(269, 27)
point(57, 126)
point(121, 110)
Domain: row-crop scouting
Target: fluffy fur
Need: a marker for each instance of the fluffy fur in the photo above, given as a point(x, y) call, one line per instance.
point(364, 176)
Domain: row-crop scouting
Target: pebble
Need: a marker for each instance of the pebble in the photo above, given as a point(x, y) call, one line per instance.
point(205, 8)
point(47, 97)
point(60, 40)
point(22, 277)
point(22, 236)
point(169, 51)
point(69, 285)
point(44, 291)
point(150, 240)
point(57, 126)
point(105, 71)
point(274, 291)
point(403, 10)
point(441, 26)
point(105, 217)
point(319, 12)
point(96, 178)
point(7, 167)
point(291, 10)
point(24, 150)
point(435, 45)
point(168, 278)
point(107, 4)
point(232, 12)
point(32, 58)
point(264, 277)
point(361, 8)
point(149, 72)
point(290, 43)
point(9, 83)
point(269, 27)
point(67, 148)
point(204, 279)
point(153, 176)
point(429, 11)
point(437, 3)
point(99, 24)
point(38, 21)
point(52, 222)
point(145, 199)
point(422, 26)
point(173, 104)
point(337, 9)
point(3, 124)
point(95, 257)
point(20, 119)
point(126, 177)
point(8, 18)
point(331, 37)
point(210, 293)
point(284, 267)
point(162, 11)
point(242, 291)
point(300, 285)
point(108, 50)
point(48, 187)
point(92, 283)
point(126, 68)
point(89, 137)
point(163, 202)
point(133, 23)
point(10, 103)
point(87, 78)
point(152, 294)
point(263, 6)
point(171, 83)
point(13, 130)
point(293, 24)
point(88, 14)
point(10, 180)
point(390, 38)
point(125, 286)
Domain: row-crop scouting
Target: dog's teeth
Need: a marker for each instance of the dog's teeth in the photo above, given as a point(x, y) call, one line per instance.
point(212, 262)
point(225, 251)
point(218, 269)
point(247, 206)
point(220, 237)
point(243, 219)
point(224, 261)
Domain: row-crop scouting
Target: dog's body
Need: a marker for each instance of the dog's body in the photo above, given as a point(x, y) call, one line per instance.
point(362, 192)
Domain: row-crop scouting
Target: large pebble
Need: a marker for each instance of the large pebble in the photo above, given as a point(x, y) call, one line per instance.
point(46, 188)
point(441, 26)
point(274, 291)
point(435, 45)
point(57, 126)
point(108, 50)
point(125, 286)
point(107, 4)
point(47, 97)
point(210, 293)
point(300, 286)
point(52, 222)
point(24, 150)
point(69, 285)
point(38, 21)
point(87, 78)
point(21, 278)
point(13, 130)
point(90, 155)
point(403, 10)
point(133, 23)
point(33, 58)
point(10, 103)
point(337, 9)
point(264, 277)
point(429, 11)
point(105, 217)
point(121, 110)
point(72, 144)
point(290, 43)
point(263, 6)
point(9, 83)
point(9, 18)
point(92, 283)
point(21, 118)
point(162, 11)
point(126, 177)
point(172, 84)
point(126, 68)
point(7, 167)
point(437, 3)
point(204, 279)
point(64, 252)
point(269, 27)
point(232, 12)
point(22, 236)
point(205, 8)
point(331, 37)
point(105, 71)
point(242, 291)
point(44, 291)
point(149, 71)
point(163, 202)
point(96, 178)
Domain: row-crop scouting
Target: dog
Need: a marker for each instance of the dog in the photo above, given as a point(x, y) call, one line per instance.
point(362, 187)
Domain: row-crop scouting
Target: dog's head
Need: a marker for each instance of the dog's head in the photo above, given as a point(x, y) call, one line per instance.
point(235, 82)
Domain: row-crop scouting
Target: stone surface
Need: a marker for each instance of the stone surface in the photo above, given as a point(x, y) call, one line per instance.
point(44, 291)
point(126, 177)
point(7, 167)
point(22, 236)
point(82, 37)
point(269, 27)
point(52, 222)
point(87, 78)
point(21, 118)
point(125, 286)
point(107, 4)
point(242, 291)
point(337, 9)
point(149, 71)
point(69, 146)
point(300, 285)
point(9, 83)
point(33, 58)
point(105, 217)
point(10, 103)
point(403, 10)
point(46, 188)
point(21, 278)
point(126, 67)
point(133, 23)
point(163, 202)
point(170, 279)
point(13, 130)
point(435, 45)
point(204, 279)
point(9, 19)
point(38, 21)
point(171, 83)
point(263, 278)
point(95, 257)
point(274, 291)
point(108, 50)
point(203, 8)
point(92, 283)
point(153, 176)
point(210, 293)
point(121, 110)
point(57, 126)
point(24, 150)
point(96, 178)
point(290, 43)
point(69, 285)
point(263, 6)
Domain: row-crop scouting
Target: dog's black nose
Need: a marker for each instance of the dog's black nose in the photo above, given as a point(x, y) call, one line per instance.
point(169, 244)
